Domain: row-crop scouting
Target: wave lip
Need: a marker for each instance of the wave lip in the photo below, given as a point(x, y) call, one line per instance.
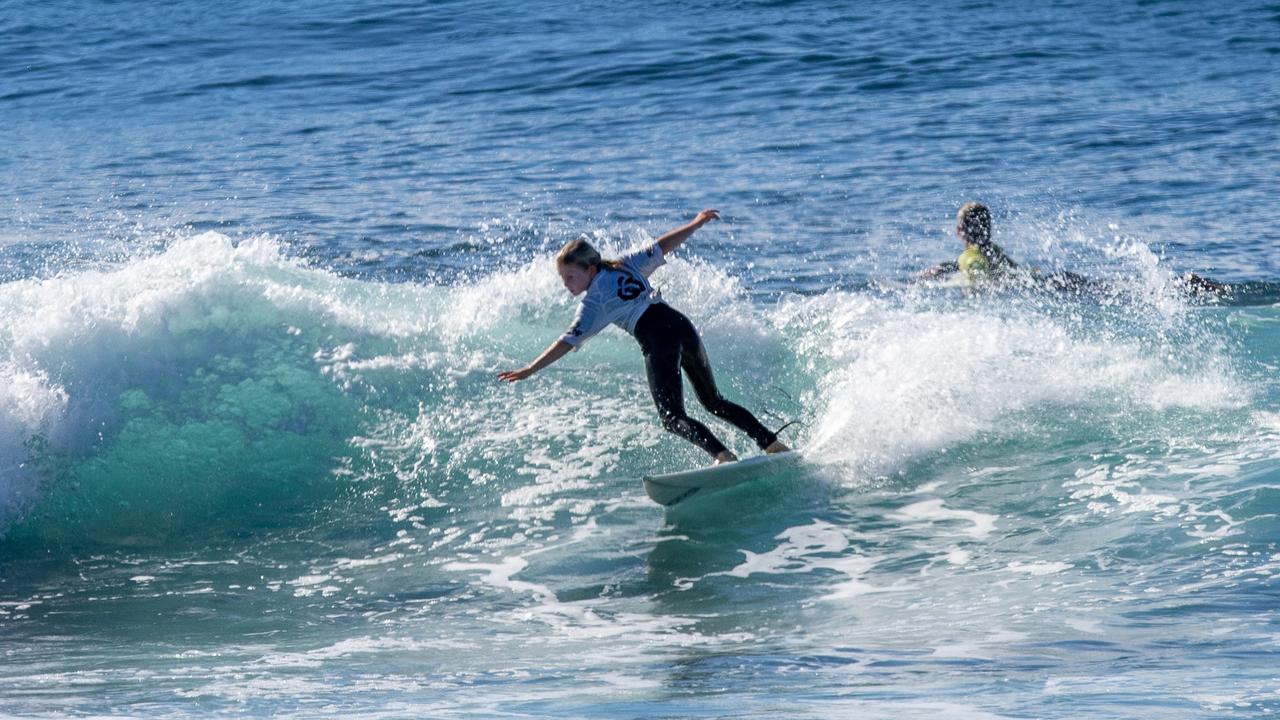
point(145, 399)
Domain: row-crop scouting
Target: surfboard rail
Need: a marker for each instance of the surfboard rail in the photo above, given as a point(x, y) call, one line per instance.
point(671, 488)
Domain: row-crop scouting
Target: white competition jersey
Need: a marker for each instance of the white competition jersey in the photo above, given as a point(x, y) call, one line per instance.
point(617, 296)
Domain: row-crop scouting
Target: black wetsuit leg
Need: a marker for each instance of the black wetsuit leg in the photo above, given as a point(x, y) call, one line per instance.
point(663, 369)
point(693, 358)
point(669, 342)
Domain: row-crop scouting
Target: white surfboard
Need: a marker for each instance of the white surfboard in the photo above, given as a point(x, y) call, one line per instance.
point(672, 488)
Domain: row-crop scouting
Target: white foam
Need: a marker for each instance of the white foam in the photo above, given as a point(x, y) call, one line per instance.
point(571, 620)
point(935, 510)
point(899, 378)
point(1039, 568)
point(808, 548)
point(30, 408)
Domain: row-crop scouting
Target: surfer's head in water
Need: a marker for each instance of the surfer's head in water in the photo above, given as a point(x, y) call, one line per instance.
point(981, 257)
point(982, 260)
point(973, 224)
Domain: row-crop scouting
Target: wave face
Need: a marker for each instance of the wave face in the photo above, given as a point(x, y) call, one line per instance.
point(153, 399)
point(214, 388)
point(996, 482)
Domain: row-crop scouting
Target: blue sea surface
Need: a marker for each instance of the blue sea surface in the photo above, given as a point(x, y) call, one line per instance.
point(261, 261)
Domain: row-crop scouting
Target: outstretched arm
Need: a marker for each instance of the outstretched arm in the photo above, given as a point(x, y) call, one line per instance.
point(939, 270)
point(554, 352)
point(673, 239)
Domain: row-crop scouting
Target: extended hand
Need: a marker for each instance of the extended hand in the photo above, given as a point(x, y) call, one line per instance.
point(514, 375)
point(706, 216)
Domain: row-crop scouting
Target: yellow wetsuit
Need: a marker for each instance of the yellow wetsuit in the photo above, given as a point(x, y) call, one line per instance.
point(975, 265)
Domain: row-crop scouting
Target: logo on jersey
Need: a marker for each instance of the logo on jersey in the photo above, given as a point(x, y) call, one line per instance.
point(629, 286)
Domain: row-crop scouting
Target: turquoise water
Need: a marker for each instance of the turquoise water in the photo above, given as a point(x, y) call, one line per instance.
point(261, 263)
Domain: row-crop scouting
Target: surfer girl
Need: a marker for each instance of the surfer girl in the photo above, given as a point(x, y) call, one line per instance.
point(618, 292)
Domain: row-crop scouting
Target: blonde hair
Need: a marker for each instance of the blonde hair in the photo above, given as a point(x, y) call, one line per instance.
point(974, 223)
point(581, 253)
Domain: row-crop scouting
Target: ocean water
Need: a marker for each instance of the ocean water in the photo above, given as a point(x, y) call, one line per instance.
point(260, 262)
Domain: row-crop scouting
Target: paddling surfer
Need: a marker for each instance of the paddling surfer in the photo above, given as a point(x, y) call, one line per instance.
point(984, 263)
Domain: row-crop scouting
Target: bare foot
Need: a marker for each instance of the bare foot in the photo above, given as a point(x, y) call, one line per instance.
point(726, 457)
point(777, 447)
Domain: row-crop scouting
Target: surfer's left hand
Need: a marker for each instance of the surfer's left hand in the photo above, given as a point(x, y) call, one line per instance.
point(514, 375)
